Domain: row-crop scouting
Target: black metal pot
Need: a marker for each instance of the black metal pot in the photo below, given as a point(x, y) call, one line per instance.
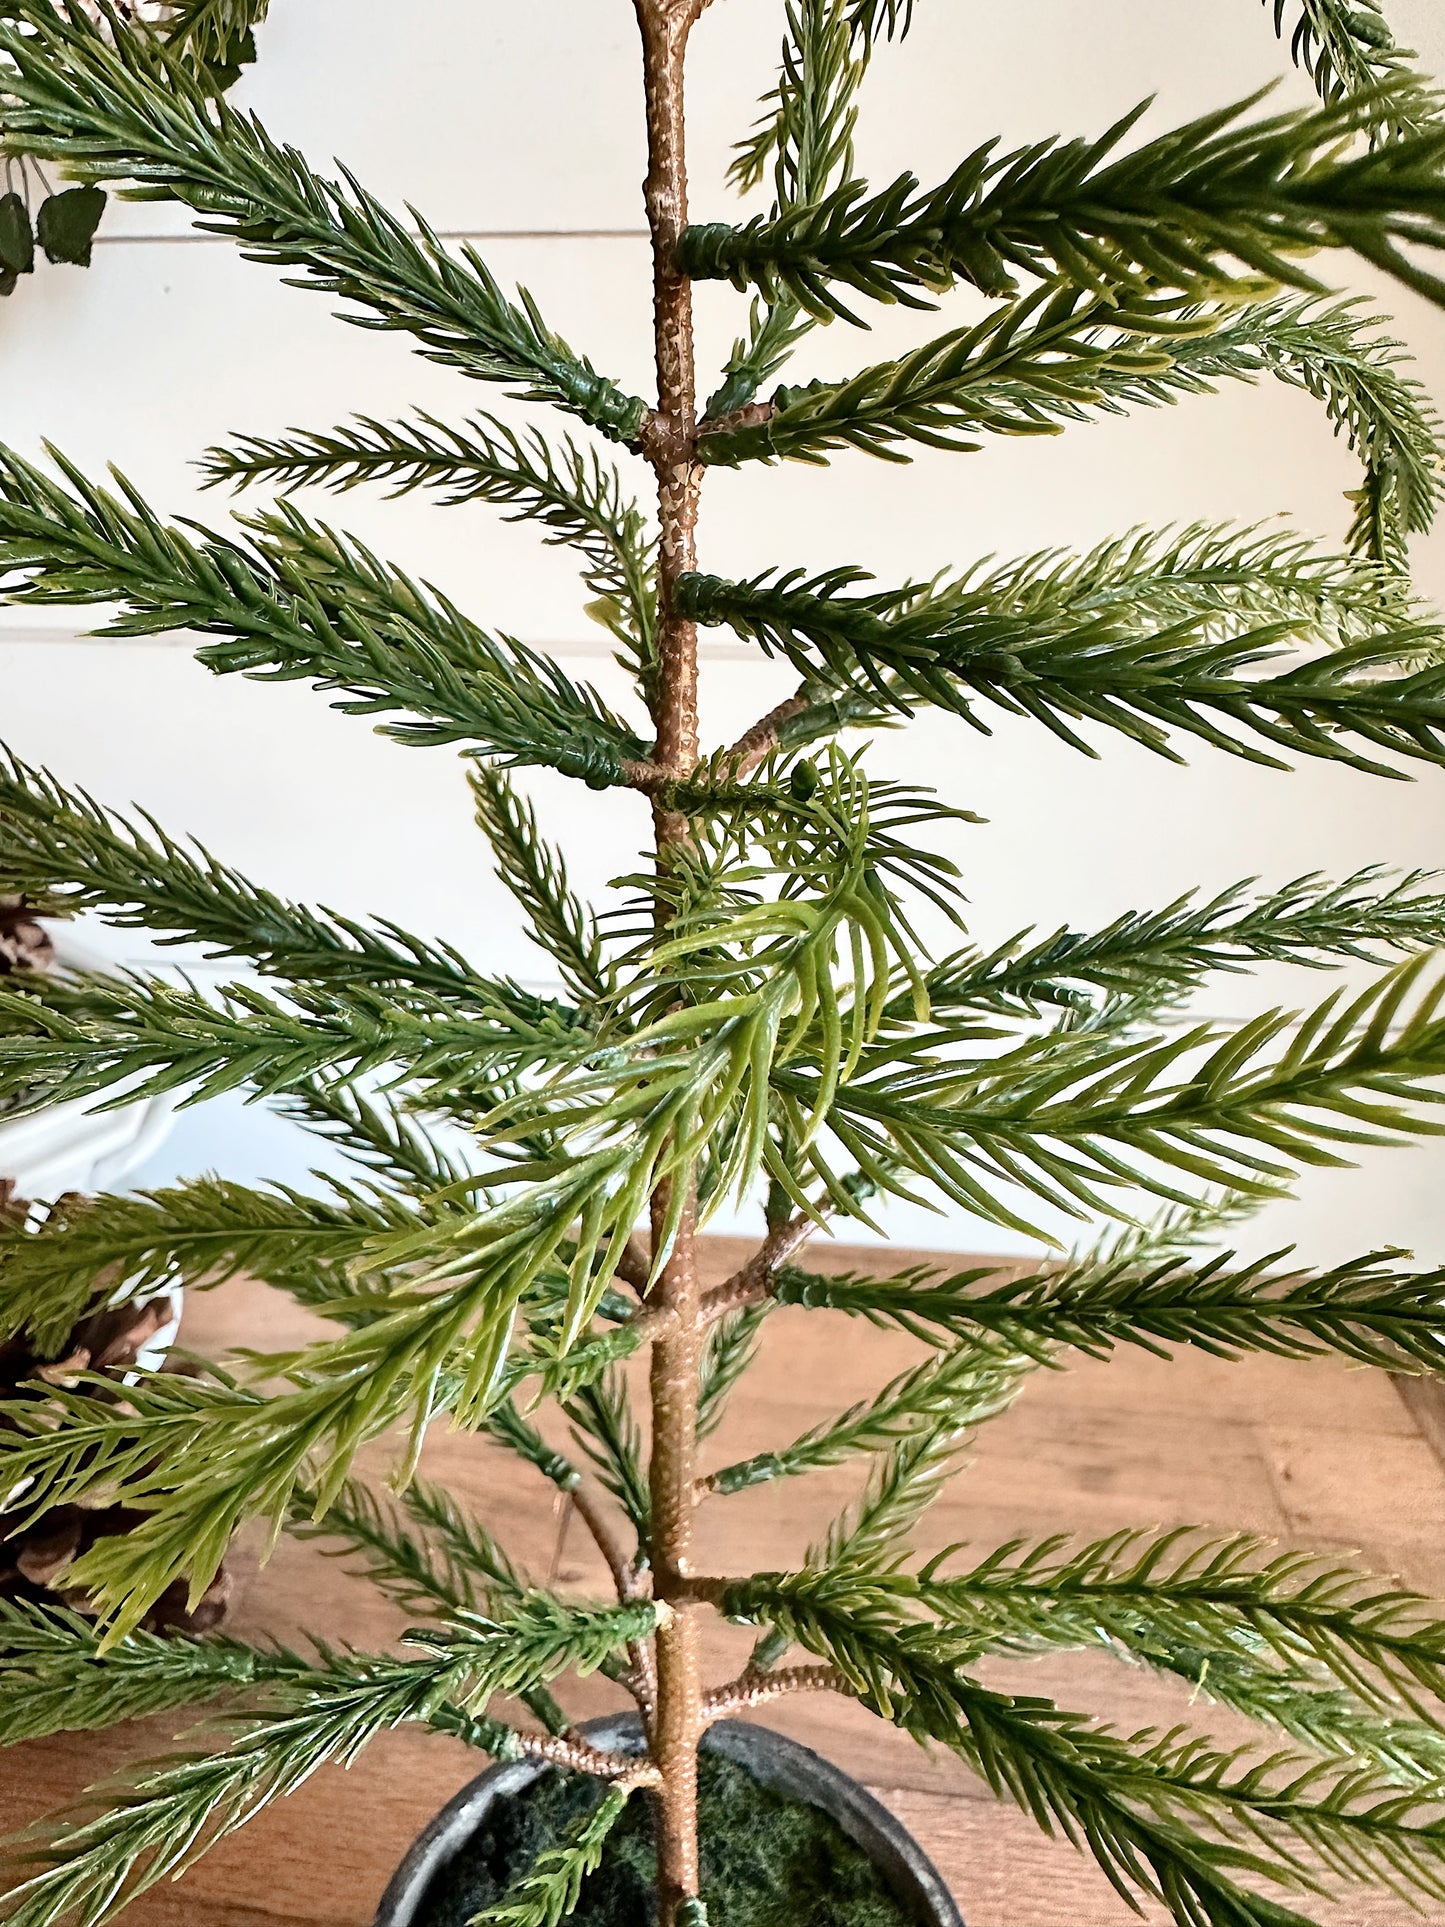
point(772, 1760)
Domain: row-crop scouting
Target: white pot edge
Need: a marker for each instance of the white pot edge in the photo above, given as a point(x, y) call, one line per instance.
point(72, 1147)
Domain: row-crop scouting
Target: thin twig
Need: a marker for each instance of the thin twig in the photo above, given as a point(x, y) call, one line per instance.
point(646, 776)
point(631, 1583)
point(596, 1515)
point(577, 1755)
point(758, 743)
point(756, 1689)
point(753, 416)
point(634, 1267)
point(753, 1282)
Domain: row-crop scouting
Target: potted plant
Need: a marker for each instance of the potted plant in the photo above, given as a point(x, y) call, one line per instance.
point(764, 1024)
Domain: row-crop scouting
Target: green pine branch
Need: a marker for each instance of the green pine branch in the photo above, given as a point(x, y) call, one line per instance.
point(811, 113)
point(1023, 370)
point(451, 1565)
point(376, 1129)
point(1183, 211)
point(293, 600)
point(875, 19)
point(1030, 642)
point(605, 1428)
point(1385, 1645)
point(906, 1479)
point(126, 108)
point(536, 875)
point(55, 1678)
point(730, 1349)
point(1337, 353)
point(1366, 1310)
point(166, 1036)
point(549, 1891)
point(170, 1813)
point(952, 1390)
point(576, 497)
point(67, 854)
point(1294, 1701)
point(435, 1339)
point(215, 36)
point(807, 130)
point(1036, 365)
point(1070, 1117)
point(454, 1566)
point(1160, 956)
point(1347, 49)
point(1168, 1814)
point(204, 1232)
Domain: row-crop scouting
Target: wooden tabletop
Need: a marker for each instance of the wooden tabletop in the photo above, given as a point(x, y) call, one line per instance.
point(1318, 1454)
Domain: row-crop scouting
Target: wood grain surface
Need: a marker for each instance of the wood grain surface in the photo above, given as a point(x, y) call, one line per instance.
point(1318, 1454)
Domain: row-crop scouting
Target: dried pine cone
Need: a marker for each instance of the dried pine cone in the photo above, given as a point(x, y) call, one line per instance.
point(24, 943)
point(35, 1558)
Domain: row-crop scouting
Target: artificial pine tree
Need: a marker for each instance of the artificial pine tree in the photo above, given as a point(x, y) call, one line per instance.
point(766, 1024)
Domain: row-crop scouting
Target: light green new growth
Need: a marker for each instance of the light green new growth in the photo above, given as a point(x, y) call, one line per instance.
point(753, 1021)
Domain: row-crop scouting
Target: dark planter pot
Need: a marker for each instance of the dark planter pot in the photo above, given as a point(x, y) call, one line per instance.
point(775, 1762)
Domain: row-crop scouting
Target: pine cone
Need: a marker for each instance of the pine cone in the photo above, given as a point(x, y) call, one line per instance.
point(35, 1558)
point(24, 943)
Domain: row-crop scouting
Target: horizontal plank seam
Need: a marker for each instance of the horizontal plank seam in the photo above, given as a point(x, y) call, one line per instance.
point(192, 239)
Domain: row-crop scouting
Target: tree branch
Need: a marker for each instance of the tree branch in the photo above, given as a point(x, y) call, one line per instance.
point(753, 1282)
point(577, 1756)
point(762, 739)
point(751, 1689)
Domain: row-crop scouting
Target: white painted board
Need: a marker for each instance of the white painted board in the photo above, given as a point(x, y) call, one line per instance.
point(521, 125)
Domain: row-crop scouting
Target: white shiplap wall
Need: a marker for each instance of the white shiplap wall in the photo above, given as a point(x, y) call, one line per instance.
point(520, 127)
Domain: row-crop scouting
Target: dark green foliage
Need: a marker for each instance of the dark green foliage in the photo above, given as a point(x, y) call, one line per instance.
point(537, 878)
point(767, 1861)
point(1040, 363)
point(1368, 1311)
point(17, 236)
point(216, 36)
point(54, 1678)
point(168, 1812)
point(1382, 1643)
point(957, 645)
point(603, 1426)
point(1177, 1817)
point(66, 224)
point(1175, 212)
point(298, 602)
point(1152, 959)
point(64, 853)
point(732, 1344)
point(954, 1391)
point(132, 110)
point(758, 1015)
point(205, 1232)
point(1347, 49)
point(577, 498)
point(807, 128)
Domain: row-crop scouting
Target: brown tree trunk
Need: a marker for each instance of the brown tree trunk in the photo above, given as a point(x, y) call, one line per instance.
point(670, 444)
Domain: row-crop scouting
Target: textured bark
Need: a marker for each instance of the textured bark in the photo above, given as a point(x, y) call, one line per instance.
point(578, 1757)
point(754, 1281)
point(762, 739)
point(757, 1689)
point(670, 443)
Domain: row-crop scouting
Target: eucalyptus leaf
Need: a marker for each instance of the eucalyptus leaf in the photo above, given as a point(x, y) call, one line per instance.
point(67, 222)
point(17, 237)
